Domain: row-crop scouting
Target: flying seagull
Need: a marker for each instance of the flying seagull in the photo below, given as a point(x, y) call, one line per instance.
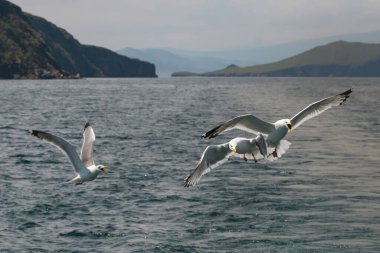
point(84, 166)
point(215, 155)
point(277, 131)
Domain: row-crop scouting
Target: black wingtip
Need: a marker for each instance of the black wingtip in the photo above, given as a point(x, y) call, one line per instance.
point(186, 182)
point(86, 125)
point(207, 135)
point(347, 92)
point(346, 95)
point(211, 134)
point(35, 133)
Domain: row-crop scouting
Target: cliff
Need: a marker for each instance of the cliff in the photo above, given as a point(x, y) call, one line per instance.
point(32, 47)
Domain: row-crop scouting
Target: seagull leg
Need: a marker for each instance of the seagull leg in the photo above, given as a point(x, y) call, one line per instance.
point(254, 158)
point(274, 154)
point(245, 158)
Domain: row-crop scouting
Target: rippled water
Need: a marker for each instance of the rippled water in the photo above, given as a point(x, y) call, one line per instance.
point(322, 196)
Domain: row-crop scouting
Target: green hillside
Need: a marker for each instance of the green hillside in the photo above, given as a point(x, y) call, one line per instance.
point(32, 47)
point(334, 59)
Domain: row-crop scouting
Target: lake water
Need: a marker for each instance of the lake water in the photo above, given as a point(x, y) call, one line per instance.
point(322, 196)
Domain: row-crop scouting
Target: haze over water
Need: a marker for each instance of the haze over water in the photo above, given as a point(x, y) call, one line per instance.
point(322, 196)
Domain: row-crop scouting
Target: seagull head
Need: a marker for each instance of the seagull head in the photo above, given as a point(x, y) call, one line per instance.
point(232, 146)
point(102, 168)
point(284, 123)
point(284, 126)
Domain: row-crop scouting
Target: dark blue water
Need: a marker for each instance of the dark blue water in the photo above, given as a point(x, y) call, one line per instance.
point(322, 196)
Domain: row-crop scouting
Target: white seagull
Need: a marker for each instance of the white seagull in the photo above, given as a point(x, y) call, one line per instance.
point(84, 166)
point(215, 155)
point(277, 131)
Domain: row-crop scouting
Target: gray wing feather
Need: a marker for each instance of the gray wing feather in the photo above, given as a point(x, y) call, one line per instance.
point(319, 107)
point(212, 157)
point(64, 146)
point(87, 147)
point(248, 123)
point(262, 145)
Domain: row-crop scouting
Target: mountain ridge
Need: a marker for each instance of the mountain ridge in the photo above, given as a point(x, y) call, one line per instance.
point(334, 59)
point(168, 62)
point(205, 61)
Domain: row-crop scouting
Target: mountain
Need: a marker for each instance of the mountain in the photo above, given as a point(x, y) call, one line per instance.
point(335, 59)
point(270, 53)
point(32, 47)
point(167, 62)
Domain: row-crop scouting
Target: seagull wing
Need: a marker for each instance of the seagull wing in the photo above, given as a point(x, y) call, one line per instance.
point(319, 107)
point(262, 145)
point(87, 147)
point(248, 123)
point(212, 157)
point(64, 146)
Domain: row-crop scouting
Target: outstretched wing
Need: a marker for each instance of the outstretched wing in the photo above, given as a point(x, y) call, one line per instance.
point(212, 157)
point(63, 145)
point(319, 107)
point(248, 123)
point(87, 147)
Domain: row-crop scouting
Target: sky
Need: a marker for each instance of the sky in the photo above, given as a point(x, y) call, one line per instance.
point(205, 25)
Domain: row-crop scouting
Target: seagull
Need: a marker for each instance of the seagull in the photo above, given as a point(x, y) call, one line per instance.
point(84, 167)
point(275, 132)
point(215, 155)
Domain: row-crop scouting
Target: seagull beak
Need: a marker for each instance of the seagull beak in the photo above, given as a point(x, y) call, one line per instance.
point(102, 169)
point(234, 150)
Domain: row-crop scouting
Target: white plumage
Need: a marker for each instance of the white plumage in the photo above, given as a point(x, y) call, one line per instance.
point(84, 167)
point(273, 141)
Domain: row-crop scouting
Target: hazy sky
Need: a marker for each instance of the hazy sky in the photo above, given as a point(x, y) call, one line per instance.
point(204, 24)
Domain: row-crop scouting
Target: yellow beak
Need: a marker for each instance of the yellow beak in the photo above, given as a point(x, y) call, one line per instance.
point(104, 171)
point(234, 150)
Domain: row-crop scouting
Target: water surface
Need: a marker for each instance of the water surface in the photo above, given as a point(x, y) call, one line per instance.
point(322, 196)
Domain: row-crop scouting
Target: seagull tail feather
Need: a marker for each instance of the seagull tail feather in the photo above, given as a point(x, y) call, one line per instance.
point(76, 180)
